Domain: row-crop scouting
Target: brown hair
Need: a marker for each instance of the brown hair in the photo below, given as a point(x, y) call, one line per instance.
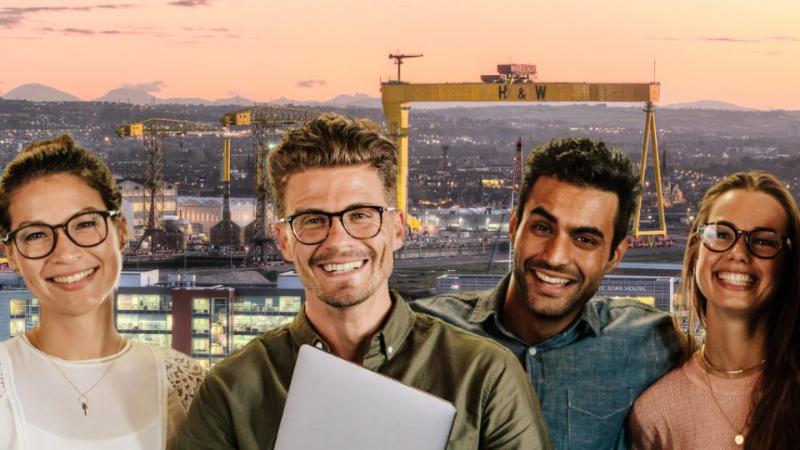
point(57, 156)
point(585, 163)
point(774, 420)
point(332, 140)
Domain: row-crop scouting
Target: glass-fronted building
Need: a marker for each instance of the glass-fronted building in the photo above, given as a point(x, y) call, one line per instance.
point(207, 323)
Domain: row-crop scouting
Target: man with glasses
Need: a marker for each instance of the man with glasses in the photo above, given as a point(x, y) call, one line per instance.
point(587, 357)
point(333, 184)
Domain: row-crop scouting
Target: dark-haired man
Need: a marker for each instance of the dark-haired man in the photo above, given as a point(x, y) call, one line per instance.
point(333, 182)
point(588, 358)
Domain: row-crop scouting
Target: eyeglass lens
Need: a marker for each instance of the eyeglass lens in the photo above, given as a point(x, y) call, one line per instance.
point(38, 240)
point(360, 223)
point(763, 243)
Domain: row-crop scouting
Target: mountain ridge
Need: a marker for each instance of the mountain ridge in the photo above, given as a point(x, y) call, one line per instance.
point(42, 93)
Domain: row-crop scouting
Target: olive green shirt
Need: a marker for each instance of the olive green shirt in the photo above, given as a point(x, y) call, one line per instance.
point(241, 401)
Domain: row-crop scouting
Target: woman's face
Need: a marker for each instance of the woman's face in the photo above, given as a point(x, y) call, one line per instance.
point(72, 280)
point(735, 282)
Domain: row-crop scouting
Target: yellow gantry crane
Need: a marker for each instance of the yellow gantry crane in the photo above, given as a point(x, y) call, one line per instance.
point(152, 133)
point(264, 121)
point(516, 85)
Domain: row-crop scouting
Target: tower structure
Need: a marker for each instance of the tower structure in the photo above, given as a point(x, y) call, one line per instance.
point(650, 139)
point(516, 176)
point(226, 233)
point(264, 123)
point(152, 133)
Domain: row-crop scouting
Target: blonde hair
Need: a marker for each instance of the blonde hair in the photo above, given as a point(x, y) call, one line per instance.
point(332, 140)
point(774, 420)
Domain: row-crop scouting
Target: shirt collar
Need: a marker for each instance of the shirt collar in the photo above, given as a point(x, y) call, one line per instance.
point(383, 345)
point(491, 303)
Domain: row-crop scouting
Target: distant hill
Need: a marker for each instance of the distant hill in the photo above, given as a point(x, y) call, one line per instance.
point(283, 101)
point(35, 92)
point(709, 104)
point(237, 100)
point(133, 96)
point(358, 100)
point(42, 93)
point(138, 97)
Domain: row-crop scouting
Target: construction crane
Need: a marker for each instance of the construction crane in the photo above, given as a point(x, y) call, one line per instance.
point(515, 83)
point(152, 132)
point(398, 60)
point(516, 180)
point(263, 122)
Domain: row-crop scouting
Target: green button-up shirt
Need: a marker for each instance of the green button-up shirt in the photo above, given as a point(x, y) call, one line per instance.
point(241, 401)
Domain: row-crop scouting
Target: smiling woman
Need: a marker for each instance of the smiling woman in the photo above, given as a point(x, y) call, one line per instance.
point(741, 389)
point(62, 231)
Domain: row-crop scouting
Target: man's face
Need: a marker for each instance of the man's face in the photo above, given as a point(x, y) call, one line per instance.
point(340, 271)
point(562, 245)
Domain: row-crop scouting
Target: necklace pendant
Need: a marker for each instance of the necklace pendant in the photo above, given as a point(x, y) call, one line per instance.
point(739, 439)
point(84, 404)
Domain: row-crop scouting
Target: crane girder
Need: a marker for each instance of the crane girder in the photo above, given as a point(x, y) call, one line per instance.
point(268, 115)
point(166, 127)
point(396, 98)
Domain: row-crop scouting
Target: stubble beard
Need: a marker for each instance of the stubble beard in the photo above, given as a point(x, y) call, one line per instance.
point(350, 296)
point(550, 309)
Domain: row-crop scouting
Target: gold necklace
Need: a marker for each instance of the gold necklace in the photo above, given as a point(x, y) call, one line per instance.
point(727, 373)
point(739, 438)
point(83, 396)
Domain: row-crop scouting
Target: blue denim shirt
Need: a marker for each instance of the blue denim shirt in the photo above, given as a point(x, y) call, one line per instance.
point(586, 377)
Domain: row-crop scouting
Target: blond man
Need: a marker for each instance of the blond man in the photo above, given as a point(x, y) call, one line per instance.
point(333, 185)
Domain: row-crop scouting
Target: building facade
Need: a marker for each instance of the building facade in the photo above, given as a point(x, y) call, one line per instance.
point(135, 195)
point(207, 323)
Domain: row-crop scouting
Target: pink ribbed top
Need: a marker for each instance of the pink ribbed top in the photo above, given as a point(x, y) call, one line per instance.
point(678, 412)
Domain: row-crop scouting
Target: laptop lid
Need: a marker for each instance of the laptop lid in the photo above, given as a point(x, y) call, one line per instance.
point(334, 404)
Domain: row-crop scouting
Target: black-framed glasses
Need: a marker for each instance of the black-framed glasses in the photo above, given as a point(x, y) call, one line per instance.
point(761, 242)
point(38, 240)
point(360, 222)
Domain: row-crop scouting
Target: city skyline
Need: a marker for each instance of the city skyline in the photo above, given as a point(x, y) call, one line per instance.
point(746, 53)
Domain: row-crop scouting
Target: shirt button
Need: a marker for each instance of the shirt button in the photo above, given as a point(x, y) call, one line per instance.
point(318, 345)
point(532, 351)
point(389, 350)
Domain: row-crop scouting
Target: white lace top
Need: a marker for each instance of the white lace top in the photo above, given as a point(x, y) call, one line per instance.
point(140, 403)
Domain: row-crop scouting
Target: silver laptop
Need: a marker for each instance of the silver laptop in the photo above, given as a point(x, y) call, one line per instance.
point(336, 405)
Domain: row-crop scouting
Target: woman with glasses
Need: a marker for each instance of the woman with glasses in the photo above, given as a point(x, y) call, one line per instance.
point(741, 387)
point(73, 382)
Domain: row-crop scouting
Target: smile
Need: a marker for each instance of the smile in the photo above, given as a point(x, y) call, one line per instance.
point(552, 280)
point(736, 279)
point(74, 278)
point(344, 267)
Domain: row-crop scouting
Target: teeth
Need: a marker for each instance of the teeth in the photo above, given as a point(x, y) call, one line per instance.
point(739, 279)
point(73, 278)
point(551, 280)
point(342, 268)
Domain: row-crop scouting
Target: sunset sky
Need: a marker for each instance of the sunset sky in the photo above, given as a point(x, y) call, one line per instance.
point(741, 51)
